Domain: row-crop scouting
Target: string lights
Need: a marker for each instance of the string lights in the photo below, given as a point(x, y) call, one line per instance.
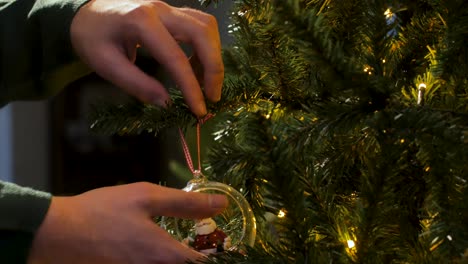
point(281, 214)
point(351, 243)
point(421, 92)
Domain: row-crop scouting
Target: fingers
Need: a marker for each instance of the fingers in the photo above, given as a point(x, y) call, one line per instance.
point(114, 65)
point(201, 31)
point(171, 250)
point(208, 53)
point(162, 201)
point(165, 50)
point(105, 35)
point(197, 68)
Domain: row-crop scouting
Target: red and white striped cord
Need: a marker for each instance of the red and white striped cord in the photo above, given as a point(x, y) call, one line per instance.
point(188, 158)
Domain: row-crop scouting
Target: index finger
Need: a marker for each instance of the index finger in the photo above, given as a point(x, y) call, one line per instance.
point(207, 44)
point(164, 48)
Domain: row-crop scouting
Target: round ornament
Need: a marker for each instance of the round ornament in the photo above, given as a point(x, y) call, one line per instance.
point(231, 230)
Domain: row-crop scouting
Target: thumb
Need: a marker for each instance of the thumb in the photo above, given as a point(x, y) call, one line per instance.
point(178, 203)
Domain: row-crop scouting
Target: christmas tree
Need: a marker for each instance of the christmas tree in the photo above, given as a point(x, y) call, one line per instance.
point(344, 124)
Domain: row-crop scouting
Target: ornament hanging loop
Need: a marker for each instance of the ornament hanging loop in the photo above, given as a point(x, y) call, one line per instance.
point(197, 174)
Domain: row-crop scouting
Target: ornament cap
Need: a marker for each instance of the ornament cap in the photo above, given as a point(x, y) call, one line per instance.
point(197, 174)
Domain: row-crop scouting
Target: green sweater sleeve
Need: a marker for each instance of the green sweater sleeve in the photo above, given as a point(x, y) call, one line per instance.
point(36, 57)
point(22, 210)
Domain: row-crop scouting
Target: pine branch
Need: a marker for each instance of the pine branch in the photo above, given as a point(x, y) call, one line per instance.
point(322, 131)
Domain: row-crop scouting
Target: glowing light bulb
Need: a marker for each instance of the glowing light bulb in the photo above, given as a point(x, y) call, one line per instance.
point(281, 214)
point(421, 92)
point(368, 69)
point(388, 13)
point(351, 243)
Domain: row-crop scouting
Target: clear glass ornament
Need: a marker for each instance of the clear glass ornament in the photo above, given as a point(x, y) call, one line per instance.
point(235, 226)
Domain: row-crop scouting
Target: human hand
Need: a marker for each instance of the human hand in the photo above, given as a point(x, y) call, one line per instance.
point(107, 33)
point(114, 225)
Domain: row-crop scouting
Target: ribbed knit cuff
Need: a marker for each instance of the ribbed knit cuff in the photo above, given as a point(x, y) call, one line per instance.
point(22, 209)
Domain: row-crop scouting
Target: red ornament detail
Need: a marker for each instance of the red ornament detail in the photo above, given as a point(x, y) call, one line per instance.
point(212, 240)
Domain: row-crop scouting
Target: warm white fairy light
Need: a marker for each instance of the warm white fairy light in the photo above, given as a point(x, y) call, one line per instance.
point(368, 69)
point(281, 214)
point(421, 91)
point(351, 243)
point(388, 13)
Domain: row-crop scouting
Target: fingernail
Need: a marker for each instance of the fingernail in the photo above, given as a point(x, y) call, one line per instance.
point(218, 201)
point(162, 102)
point(202, 110)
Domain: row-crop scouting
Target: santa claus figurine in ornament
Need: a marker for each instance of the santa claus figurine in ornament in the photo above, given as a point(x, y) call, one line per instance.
point(209, 238)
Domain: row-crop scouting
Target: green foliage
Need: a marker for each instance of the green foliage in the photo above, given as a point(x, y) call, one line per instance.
point(321, 121)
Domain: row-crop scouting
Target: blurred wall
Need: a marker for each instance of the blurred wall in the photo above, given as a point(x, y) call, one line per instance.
point(6, 144)
point(24, 144)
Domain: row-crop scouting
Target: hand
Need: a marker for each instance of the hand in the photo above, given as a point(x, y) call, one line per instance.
point(114, 225)
point(107, 33)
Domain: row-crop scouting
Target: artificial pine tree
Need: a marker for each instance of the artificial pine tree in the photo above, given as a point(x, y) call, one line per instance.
point(345, 124)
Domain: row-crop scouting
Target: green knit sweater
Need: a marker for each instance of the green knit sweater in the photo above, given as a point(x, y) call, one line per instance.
point(36, 61)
